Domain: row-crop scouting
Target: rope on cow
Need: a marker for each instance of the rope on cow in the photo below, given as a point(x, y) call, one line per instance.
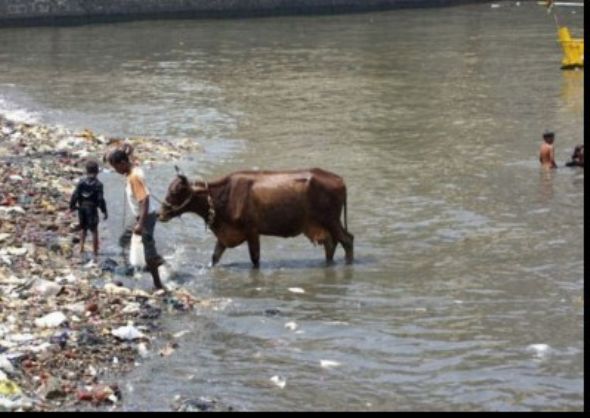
point(211, 212)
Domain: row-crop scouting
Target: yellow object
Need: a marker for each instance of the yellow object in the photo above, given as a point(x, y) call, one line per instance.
point(573, 49)
point(8, 388)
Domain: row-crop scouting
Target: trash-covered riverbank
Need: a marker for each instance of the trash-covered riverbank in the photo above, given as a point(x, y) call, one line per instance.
point(67, 328)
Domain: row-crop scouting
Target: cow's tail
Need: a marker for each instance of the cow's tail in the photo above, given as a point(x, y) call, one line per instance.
point(345, 216)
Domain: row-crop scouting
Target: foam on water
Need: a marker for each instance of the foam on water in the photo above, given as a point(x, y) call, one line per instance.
point(16, 113)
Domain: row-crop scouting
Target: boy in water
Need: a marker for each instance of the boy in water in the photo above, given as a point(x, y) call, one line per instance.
point(138, 197)
point(547, 152)
point(88, 198)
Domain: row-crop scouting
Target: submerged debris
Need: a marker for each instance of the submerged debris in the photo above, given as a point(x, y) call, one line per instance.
point(201, 404)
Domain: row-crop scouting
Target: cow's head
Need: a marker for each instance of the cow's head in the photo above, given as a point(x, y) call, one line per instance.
point(184, 197)
point(177, 199)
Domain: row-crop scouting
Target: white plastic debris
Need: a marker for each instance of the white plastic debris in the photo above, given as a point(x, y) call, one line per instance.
point(52, 320)
point(136, 254)
point(69, 278)
point(9, 209)
point(540, 350)
point(20, 338)
point(326, 364)
point(279, 381)
point(90, 265)
point(168, 350)
point(6, 365)
point(45, 288)
point(296, 290)
point(128, 332)
point(132, 307)
point(116, 290)
point(16, 250)
point(92, 371)
point(142, 350)
point(291, 325)
point(180, 333)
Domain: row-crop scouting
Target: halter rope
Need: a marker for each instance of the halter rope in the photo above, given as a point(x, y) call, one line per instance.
point(211, 211)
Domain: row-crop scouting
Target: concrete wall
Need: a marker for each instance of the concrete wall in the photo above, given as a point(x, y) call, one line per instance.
point(58, 12)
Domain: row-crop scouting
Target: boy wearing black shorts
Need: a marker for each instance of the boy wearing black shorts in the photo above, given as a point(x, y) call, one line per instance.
point(88, 198)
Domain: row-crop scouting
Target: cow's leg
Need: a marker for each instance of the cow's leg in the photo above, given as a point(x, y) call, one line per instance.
point(345, 238)
point(217, 253)
point(330, 247)
point(254, 248)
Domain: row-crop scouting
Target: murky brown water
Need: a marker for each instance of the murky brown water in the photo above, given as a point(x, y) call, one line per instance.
point(467, 293)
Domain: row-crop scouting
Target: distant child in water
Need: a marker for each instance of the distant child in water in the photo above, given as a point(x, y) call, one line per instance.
point(577, 157)
point(547, 152)
point(88, 198)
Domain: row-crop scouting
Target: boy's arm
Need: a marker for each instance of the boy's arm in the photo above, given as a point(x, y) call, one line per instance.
point(75, 196)
point(144, 207)
point(101, 202)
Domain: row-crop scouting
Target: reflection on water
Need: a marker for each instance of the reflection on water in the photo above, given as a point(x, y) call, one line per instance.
point(572, 94)
point(465, 255)
point(546, 184)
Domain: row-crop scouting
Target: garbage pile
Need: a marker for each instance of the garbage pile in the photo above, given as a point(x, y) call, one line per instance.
point(66, 329)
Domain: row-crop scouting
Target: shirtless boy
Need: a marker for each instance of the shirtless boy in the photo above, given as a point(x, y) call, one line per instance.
point(547, 153)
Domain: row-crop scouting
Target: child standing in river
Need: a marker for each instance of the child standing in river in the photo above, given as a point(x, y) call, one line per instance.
point(88, 198)
point(547, 152)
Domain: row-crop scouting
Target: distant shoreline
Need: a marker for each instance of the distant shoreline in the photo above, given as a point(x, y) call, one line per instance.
point(79, 12)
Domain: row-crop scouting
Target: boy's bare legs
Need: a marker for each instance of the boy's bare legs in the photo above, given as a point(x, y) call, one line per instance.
point(95, 244)
point(152, 267)
point(82, 240)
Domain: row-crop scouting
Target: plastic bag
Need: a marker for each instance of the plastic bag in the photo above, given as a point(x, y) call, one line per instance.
point(136, 255)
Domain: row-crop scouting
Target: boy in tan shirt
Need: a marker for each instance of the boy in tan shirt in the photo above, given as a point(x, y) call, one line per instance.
point(138, 197)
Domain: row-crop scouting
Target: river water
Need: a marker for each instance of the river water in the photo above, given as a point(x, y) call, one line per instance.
point(467, 290)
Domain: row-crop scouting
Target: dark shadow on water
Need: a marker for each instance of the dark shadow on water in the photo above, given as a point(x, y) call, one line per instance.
point(296, 264)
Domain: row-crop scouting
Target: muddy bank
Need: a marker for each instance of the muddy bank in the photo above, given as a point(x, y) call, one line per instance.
point(63, 12)
point(68, 327)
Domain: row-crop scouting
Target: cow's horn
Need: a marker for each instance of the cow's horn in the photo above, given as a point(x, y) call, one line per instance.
point(199, 188)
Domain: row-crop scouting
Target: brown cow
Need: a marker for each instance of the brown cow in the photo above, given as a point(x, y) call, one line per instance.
point(246, 204)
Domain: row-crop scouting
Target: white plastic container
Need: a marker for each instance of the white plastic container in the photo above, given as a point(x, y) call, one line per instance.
point(136, 254)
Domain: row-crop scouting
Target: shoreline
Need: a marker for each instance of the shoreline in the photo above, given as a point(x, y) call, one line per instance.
point(79, 12)
point(68, 328)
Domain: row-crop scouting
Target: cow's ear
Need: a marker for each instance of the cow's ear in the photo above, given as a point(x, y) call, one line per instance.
point(183, 179)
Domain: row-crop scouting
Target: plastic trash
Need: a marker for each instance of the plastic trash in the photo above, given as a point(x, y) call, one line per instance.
point(326, 364)
point(45, 288)
point(136, 254)
point(539, 350)
point(143, 350)
point(52, 320)
point(9, 388)
point(128, 332)
point(6, 365)
point(291, 325)
point(279, 381)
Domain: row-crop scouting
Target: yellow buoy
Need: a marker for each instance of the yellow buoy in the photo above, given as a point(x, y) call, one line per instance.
point(573, 50)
